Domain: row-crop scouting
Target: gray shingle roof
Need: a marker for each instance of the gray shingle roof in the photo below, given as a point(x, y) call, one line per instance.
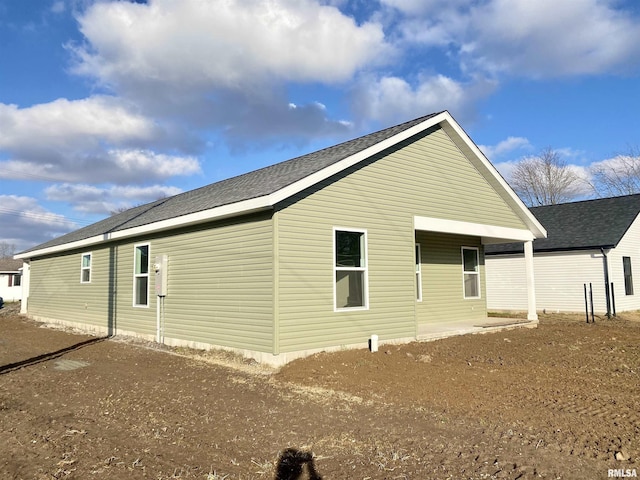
point(243, 187)
point(10, 265)
point(585, 225)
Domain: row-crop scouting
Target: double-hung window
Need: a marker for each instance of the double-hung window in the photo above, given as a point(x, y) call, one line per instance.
point(85, 268)
point(350, 269)
point(471, 272)
point(141, 276)
point(628, 277)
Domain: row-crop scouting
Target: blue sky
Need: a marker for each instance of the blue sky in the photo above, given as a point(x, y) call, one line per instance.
point(109, 104)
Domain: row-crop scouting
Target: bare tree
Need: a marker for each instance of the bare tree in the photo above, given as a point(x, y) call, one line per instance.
point(619, 175)
point(7, 250)
point(545, 180)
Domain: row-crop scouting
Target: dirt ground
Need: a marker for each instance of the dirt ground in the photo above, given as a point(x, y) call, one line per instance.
point(558, 402)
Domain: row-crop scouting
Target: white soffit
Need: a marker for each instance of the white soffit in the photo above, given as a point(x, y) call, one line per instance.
point(457, 227)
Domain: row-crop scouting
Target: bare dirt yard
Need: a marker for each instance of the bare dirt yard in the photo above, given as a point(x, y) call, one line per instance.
point(558, 402)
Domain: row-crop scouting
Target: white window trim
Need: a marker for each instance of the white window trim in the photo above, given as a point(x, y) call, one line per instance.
point(83, 268)
point(464, 295)
point(364, 269)
point(418, 253)
point(141, 275)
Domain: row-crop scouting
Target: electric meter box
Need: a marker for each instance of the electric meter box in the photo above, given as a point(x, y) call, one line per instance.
point(160, 267)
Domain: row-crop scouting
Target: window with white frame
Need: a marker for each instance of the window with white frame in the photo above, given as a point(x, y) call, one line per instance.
point(418, 273)
point(471, 272)
point(85, 268)
point(350, 269)
point(141, 276)
point(628, 277)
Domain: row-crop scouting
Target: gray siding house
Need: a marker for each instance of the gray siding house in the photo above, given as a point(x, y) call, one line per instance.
point(593, 242)
point(381, 235)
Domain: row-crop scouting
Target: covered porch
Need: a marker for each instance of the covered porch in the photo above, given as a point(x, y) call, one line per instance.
point(442, 249)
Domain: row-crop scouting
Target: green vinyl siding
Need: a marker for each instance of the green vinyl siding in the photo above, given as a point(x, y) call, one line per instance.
point(56, 291)
point(427, 176)
point(220, 285)
point(442, 279)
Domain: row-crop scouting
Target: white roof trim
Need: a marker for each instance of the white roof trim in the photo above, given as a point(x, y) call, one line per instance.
point(490, 233)
point(268, 201)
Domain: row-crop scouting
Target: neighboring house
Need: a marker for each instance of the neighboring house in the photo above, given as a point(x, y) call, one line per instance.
point(594, 243)
point(382, 235)
point(10, 279)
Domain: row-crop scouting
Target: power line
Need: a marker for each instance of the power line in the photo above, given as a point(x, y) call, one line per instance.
point(42, 216)
point(19, 175)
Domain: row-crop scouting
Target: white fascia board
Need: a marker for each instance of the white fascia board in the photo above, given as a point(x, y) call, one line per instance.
point(531, 221)
point(489, 232)
point(218, 213)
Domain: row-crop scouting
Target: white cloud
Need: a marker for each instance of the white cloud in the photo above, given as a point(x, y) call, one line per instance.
point(115, 166)
point(26, 223)
point(504, 147)
point(104, 200)
point(200, 44)
point(579, 37)
point(393, 99)
point(543, 38)
point(79, 141)
point(224, 64)
point(83, 123)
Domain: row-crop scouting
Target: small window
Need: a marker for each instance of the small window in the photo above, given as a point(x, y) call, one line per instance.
point(628, 277)
point(471, 272)
point(141, 276)
point(17, 279)
point(85, 268)
point(350, 268)
point(418, 273)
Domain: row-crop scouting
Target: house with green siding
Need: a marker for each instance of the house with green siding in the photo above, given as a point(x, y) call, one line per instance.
point(381, 237)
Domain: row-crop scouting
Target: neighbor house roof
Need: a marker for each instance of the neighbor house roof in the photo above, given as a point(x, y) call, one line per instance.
point(585, 225)
point(262, 189)
point(10, 265)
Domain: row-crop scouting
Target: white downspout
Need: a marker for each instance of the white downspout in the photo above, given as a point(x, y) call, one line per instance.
point(158, 334)
point(531, 286)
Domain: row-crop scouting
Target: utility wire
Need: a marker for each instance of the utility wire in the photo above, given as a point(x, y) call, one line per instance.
point(41, 216)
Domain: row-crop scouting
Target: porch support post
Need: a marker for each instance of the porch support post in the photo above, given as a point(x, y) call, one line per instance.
point(26, 283)
point(531, 287)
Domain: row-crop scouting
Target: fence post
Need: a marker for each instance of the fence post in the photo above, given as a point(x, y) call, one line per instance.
point(593, 318)
point(586, 303)
point(613, 299)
